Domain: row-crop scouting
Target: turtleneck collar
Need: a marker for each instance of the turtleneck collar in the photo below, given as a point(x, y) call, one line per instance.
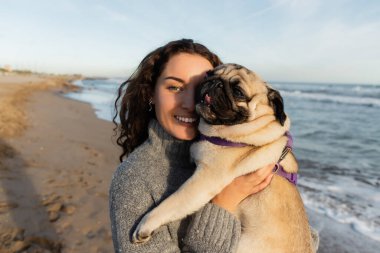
point(176, 150)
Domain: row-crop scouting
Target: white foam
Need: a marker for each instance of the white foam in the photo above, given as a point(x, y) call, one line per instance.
point(345, 200)
point(375, 197)
point(367, 229)
point(334, 188)
point(78, 83)
point(368, 101)
point(101, 101)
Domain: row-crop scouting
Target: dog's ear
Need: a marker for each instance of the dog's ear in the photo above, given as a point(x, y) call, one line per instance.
point(275, 100)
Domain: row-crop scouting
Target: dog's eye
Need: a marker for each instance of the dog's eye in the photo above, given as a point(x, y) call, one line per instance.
point(238, 93)
point(234, 82)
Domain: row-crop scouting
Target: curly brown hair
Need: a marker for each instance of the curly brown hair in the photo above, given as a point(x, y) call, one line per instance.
point(132, 103)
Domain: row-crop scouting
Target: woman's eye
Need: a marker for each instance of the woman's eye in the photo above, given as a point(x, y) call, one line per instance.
point(175, 88)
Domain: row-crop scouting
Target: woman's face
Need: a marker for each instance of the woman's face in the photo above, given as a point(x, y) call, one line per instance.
point(174, 94)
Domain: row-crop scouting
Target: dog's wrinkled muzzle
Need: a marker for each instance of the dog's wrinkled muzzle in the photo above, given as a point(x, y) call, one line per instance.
point(216, 83)
point(210, 87)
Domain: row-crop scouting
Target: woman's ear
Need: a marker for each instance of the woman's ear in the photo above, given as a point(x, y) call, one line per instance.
point(276, 102)
point(150, 104)
point(152, 96)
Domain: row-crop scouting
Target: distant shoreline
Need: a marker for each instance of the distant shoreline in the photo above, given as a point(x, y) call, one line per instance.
point(324, 83)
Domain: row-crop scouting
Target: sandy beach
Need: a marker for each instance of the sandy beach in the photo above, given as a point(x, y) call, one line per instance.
point(56, 163)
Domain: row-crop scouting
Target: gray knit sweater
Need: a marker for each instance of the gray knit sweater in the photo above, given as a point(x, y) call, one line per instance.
point(152, 172)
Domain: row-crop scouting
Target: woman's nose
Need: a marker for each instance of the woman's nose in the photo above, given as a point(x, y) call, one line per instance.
point(188, 98)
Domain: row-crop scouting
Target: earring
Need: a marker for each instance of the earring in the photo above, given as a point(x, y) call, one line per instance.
point(150, 105)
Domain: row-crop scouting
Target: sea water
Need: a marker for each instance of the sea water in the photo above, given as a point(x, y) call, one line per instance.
point(337, 143)
point(336, 130)
point(100, 93)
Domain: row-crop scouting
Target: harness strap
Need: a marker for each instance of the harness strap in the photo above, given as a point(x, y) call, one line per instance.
point(278, 169)
point(220, 142)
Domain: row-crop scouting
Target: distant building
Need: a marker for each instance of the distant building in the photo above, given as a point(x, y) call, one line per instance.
point(7, 68)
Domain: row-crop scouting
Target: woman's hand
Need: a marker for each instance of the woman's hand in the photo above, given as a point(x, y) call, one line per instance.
point(241, 187)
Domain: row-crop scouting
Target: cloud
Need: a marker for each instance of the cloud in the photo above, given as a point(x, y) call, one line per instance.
point(276, 4)
point(112, 14)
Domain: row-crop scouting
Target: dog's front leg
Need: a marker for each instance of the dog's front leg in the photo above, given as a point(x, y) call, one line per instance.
point(199, 189)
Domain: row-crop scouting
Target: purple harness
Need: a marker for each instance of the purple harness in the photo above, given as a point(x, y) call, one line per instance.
point(278, 169)
point(221, 142)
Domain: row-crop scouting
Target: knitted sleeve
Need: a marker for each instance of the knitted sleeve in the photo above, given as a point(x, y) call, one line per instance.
point(212, 228)
point(129, 201)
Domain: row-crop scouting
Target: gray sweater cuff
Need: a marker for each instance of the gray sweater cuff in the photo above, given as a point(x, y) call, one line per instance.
point(213, 227)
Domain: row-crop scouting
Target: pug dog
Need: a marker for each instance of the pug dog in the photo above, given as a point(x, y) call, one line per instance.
point(243, 127)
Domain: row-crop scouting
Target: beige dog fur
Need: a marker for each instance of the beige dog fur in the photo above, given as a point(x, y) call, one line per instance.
point(273, 220)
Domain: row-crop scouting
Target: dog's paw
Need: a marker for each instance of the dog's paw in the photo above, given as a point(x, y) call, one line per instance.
point(139, 236)
point(143, 231)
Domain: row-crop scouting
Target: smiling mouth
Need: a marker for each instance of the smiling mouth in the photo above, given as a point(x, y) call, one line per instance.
point(186, 119)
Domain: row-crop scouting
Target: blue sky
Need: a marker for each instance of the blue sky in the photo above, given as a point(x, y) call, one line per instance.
point(282, 40)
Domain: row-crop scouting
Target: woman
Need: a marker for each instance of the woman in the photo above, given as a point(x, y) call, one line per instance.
point(157, 124)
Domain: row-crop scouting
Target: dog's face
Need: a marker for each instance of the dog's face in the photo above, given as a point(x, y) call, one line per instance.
point(230, 94)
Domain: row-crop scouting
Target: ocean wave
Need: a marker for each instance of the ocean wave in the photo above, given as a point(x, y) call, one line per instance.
point(368, 226)
point(116, 81)
point(365, 101)
point(344, 199)
point(366, 90)
point(102, 102)
point(79, 83)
